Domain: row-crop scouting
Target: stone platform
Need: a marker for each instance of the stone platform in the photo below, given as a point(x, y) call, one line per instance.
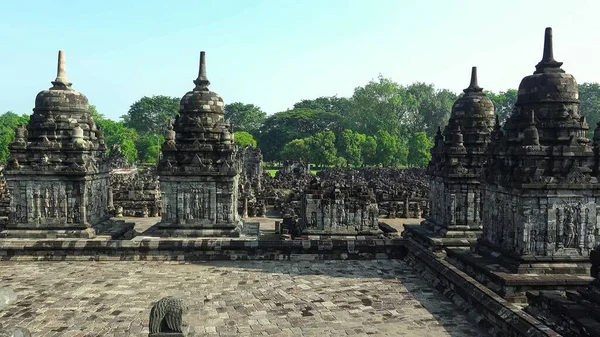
point(499, 275)
point(231, 298)
point(500, 316)
point(571, 313)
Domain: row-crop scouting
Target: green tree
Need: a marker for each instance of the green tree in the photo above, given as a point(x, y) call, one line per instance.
point(145, 146)
point(391, 150)
point(322, 148)
point(9, 121)
point(418, 149)
point(504, 102)
point(369, 151)
point(118, 133)
point(243, 138)
point(334, 104)
point(382, 105)
point(350, 147)
point(433, 106)
point(297, 149)
point(245, 117)
point(283, 127)
point(150, 115)
point(589, 96)
point(96, 116)
point(151, 154)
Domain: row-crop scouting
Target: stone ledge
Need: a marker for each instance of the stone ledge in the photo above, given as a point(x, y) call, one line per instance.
point(502, 317)
point(490, 272)
point(199, 249)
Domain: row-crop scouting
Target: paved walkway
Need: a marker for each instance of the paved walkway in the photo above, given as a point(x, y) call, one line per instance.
point(230, 298)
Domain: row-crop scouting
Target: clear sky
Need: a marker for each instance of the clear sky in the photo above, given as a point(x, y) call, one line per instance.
point(274, 53)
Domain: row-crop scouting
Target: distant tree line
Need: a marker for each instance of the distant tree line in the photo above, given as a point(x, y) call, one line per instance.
point(382, 124)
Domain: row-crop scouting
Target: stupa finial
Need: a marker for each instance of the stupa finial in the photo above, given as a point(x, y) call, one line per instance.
point(202, 81)
point(473, 86)
point(61, 80)
point(548, 62)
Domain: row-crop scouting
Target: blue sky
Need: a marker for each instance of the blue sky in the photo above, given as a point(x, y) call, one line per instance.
point(274, 53)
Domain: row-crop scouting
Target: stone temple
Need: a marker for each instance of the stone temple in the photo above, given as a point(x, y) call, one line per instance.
point(540, 186)
point(57, 173)
point(456, 163)
point(198, 173)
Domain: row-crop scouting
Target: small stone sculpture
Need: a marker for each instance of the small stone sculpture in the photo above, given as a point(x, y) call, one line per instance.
point(166, 317)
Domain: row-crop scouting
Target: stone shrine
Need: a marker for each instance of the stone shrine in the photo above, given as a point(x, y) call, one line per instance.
point(540, 187)
point(539, 192)
point(57, 172)
point(198, 171)
point(456, 163)
point(330, 210)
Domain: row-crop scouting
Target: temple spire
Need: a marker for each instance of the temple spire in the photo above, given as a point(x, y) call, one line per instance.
point(473, 86)
point(61, 80)
point(202, 81)
point(548, 62)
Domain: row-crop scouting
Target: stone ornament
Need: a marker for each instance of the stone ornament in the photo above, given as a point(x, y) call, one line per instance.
point(166, 318)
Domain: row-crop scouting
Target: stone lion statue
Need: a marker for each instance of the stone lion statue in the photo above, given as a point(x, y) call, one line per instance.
point(167, 316)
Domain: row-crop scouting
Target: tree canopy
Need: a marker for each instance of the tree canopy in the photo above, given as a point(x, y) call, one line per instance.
point(151, 114)
point(283, 127)
point(243, 138)
point(9, 121)
point(245, 117)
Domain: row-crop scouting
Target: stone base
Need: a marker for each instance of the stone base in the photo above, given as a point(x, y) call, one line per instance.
point(109, 230)
point(511, 278)
point(194, 230)
point(483, 305)
point(535, 264)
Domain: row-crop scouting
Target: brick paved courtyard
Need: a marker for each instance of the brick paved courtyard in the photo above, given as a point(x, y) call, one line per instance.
point(230, 298)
